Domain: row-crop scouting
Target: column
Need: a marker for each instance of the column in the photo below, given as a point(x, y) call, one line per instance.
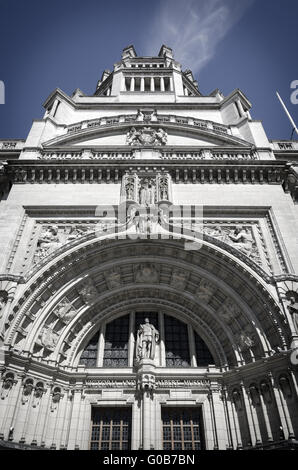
point(162, 84)
point(211, 407)
point(132, 84)
point(171, 84)
point(192, 348)
point(219, 418)
point(266, 417)
point(152, 86)
point(101, 346)
point(162, 350)
point(131, 341)
point(74, 423)
point(254, 416)
point(146, 420)
point(247, 411)
point(231, 437)
point(234, 414)
point(279, 405)
point(142, 88)
point(136, 429)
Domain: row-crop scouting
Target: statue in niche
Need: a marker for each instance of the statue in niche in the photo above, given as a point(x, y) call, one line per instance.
point(147, 338)
point(65, 311)
point(130, 188)
point(147, 194)
point(48, 339)
point(242, 240)
point(88, 292)
point(205, 291)
point(163, 188)
point(245, 342)
point(147, 273)
point(293, 309)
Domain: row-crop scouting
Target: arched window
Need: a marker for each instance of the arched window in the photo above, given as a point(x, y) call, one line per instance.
point(115, 346)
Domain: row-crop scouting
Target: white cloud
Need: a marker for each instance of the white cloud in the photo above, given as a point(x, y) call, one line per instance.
point(193, 28)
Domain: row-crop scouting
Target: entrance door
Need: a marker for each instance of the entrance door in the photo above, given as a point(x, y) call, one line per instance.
point(182, 428)
point(110, 429)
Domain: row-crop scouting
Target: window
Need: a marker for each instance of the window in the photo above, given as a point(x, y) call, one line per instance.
point(89, 355)
point(116, 343)
point(110, 429)
point(176, 343)
point(203, 355)
point(182, 429)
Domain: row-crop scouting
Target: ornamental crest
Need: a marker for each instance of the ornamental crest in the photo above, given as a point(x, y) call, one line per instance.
point(146, 136)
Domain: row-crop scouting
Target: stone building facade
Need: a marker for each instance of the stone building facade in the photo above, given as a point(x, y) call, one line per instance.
point(149, 270)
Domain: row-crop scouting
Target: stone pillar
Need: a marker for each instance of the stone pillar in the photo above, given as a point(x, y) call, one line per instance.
point(101, 346)
point(171, 84)
point(192, 346)
point(234, 417)
point(247, 411)
point(142, 87)
point(266, 417)
point(252, 406)
point(162, 84)
point(131, 341)
point(132, 84)
point(136, 426)
point(279, 405)
point(146, 386)
point(162, 348)
point(75, 420)
point(152, 85)
point(219, 419)
point(146, 419)
point(10, 408)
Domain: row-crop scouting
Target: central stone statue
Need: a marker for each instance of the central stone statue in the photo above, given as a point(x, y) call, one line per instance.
point(147, 338)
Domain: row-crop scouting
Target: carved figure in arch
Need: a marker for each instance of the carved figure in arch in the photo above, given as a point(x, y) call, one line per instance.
point(48, 339)
point(48, 242)
point(65, 311)
point(245, 342)
point(146, 273)
point(3, 301)
point(147, 338)
point(242, 240)
point(205, 290)
point(293, 309)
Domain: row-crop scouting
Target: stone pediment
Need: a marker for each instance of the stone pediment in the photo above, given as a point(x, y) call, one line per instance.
point(160, 131)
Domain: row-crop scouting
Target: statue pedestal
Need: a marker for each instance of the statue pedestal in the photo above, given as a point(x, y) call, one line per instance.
point(146, 364)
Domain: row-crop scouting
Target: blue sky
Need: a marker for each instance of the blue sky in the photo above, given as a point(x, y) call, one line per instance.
point(246, 44)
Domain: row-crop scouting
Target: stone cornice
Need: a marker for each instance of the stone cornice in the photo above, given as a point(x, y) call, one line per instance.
point(206, 171)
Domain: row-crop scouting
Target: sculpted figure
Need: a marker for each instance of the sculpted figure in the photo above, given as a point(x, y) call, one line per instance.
point(147, 194)
point(48, 242)
point(242, 240)
point(147, 338)
point(293, 309)
point(161, 136)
